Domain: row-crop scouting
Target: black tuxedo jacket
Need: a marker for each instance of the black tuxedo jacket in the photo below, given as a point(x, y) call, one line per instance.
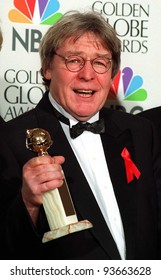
point(154, 115)
point(139, 201)
point(1, 121)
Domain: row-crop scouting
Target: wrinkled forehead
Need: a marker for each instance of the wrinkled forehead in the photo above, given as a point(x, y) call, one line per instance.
point(90, 37)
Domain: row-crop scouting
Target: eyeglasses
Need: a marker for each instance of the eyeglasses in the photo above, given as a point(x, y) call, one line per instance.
point(75, 63)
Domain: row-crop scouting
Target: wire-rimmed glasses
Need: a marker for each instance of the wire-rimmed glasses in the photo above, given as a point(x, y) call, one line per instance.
point(75, 63)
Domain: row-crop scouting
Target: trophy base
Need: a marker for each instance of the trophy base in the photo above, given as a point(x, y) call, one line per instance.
point(65, 230)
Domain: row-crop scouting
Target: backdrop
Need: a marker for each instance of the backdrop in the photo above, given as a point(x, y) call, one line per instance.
point(137, 23)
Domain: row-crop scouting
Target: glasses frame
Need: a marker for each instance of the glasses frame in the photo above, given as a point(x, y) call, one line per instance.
point(109, 61)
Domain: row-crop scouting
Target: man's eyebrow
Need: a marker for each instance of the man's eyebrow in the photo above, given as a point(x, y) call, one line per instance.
point(68, 53)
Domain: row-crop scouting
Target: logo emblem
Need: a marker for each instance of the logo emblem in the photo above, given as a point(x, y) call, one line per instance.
point(35, 11)
point(132, 86)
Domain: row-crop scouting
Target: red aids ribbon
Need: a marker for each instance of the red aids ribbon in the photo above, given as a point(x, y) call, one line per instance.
point(130, 167)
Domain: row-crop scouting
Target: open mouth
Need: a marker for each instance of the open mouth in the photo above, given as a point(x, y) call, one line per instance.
point(84, 92)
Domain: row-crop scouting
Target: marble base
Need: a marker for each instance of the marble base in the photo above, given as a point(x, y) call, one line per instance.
point(65, 230)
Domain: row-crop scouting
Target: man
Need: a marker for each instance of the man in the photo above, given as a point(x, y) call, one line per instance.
point(113, 172)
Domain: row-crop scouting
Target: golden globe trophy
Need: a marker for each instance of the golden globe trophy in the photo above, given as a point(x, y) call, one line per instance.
point(57, 203)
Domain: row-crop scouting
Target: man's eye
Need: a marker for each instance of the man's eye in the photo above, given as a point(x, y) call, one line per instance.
point(99, 63)
point(74, 60)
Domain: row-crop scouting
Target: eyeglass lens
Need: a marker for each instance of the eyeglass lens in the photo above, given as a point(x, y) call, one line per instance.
point(99, 64)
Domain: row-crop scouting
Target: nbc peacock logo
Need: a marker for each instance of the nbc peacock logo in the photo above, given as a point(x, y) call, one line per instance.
point(132, 86)
point(35, 11)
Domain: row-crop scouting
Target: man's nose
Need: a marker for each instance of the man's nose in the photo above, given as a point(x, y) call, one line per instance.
point(87, 72)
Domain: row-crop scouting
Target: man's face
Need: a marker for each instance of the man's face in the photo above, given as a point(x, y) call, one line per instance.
point(81, 93)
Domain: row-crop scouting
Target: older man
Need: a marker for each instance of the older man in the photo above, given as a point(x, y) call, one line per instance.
point(111, 160)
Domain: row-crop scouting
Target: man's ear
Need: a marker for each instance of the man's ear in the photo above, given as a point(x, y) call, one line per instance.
point(47, 74)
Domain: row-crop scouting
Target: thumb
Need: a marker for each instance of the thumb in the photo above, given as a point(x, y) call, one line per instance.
point(58, 159)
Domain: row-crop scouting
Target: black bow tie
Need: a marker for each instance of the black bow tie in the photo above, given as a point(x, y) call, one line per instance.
point(77, 129)
point(95, 127)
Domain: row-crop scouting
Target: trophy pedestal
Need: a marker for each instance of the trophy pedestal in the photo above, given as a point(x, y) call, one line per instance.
point(62, 218)
point(65, 230)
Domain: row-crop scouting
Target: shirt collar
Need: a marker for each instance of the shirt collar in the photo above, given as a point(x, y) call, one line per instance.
point(72, 120)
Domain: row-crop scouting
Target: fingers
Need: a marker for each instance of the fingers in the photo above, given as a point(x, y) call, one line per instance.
point(41, 174)
point(44, 160)
point(58, 159)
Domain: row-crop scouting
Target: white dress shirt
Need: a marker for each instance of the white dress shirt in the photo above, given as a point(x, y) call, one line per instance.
point(90, 154)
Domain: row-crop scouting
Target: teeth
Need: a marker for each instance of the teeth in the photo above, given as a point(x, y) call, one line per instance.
point(85, 94)
point(84, 91)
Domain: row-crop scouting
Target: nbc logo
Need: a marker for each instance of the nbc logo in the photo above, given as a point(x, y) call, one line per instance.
point(35, 11)
point(132, 86)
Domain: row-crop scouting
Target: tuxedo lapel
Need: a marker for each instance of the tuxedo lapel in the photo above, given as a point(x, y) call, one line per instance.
point(86, 205)
point(114, 141)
